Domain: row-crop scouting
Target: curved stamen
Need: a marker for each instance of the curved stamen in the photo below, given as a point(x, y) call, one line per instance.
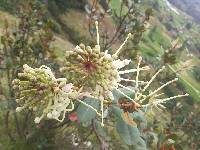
point(121, 46)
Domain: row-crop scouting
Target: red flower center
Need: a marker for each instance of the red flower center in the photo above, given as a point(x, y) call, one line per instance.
point(89, 66)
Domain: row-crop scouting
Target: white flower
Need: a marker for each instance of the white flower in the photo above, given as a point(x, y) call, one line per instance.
point(37, 120)
point(37, 89)
point(120, 63)
point(94, 70)
point(49, 115)
point(18, 109)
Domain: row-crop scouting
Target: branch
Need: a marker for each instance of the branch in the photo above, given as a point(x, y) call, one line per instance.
point(109, 44)
point(7, 126)
point(103, 144)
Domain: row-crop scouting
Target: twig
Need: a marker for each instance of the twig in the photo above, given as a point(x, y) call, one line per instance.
point(103, 144)
point(7, 126)
point(109, 44)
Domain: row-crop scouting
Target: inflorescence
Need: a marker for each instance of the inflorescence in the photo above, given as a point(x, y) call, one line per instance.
point(38, 90)
point(91, 70)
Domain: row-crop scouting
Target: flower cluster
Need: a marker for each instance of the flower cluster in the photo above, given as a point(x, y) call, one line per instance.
point(94, 73)
point(38, 90)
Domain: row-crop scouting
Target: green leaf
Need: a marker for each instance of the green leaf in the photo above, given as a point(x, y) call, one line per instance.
point(139, 116)
point(102, 131)
point(116, 111)
point(117, 95)
point(86, 114)
point(129, 134)
point(141, 145)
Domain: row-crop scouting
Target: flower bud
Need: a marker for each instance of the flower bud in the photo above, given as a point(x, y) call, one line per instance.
point(37, 120)
point(49, 115)
point(56, 89)
point(18, 109)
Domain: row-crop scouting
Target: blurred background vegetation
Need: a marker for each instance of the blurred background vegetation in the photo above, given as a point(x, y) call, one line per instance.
point(40, 31)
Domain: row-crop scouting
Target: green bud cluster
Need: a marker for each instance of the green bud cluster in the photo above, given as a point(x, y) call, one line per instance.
point(89, 67)
point(34, 88)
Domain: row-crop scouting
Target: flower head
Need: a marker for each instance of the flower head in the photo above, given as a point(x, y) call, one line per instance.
point(94, 70)
point(37, 89)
